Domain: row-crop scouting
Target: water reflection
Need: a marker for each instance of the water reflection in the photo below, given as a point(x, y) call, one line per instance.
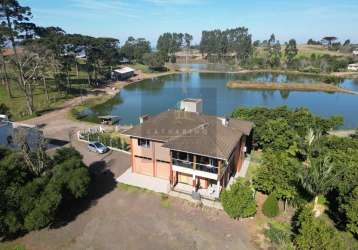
point(159, 94)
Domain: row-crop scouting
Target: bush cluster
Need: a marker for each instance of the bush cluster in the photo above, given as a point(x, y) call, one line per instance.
point(239, 200)
point(270, 207)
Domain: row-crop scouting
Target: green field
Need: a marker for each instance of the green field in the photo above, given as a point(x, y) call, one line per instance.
point(17, 104)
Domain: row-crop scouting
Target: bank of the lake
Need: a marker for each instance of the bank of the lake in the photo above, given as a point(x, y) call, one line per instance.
point(323, 87)
point(155, 95)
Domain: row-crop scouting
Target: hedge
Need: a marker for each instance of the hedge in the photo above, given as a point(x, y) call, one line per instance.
point(270, 207)
point(107, 139)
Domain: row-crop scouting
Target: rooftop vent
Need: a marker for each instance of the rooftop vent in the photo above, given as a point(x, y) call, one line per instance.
point(143, 118)
point(192, 105)
point(224, 121)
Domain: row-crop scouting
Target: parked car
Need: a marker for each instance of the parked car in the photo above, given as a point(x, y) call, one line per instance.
point(97, 147)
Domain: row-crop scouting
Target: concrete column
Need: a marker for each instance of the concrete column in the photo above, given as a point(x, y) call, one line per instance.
point(194, 183)
point(218, 188)
point(219, 168)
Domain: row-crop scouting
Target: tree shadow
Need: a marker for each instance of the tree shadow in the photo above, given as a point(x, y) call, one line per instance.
point(102, 182)
point(55, 143)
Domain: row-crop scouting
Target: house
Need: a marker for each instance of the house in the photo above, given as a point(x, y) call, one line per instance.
point(355, 52)
point(122, 73)
point(196, 153)
point(10, 130)
point(353, 67)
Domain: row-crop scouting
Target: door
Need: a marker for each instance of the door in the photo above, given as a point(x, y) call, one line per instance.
point(185, 178)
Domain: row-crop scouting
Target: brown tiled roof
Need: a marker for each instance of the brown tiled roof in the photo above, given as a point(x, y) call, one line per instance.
point(193, 132)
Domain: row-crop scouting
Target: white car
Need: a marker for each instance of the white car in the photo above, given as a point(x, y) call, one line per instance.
point(97, 147)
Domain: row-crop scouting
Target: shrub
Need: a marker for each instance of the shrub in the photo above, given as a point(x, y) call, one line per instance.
point(279, 233)
point(270, 207)
point(239, 200)
point(316, 233)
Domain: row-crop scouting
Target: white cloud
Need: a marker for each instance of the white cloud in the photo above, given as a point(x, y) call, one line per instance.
point(106, 7)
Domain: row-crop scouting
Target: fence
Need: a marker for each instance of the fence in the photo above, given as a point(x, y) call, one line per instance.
point(114, 142)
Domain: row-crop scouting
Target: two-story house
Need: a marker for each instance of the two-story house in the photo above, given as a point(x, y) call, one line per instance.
point(190, 149)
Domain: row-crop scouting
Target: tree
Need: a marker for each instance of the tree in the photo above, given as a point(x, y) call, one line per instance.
point(274, 52)
point(188, 39)
point(329, 40)
point(134, 49)
point(169, 43)
point(15, 19)
point(347, 42)
point(278, 175)
point(155, 61)
point(291, 51)
point(315, 234)
point(351, 212)
point(3, 62)
point(313, 42)
point(31, 202)
point(218, 44)
point(318, 179)
point(278, 135)
point(239, 200)
point(301, 120)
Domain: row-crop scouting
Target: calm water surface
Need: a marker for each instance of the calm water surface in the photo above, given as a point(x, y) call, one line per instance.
point(159, 94)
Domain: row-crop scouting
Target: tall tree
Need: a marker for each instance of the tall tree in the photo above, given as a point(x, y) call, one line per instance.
point(318, 179)
point(291, 51)
point(274, 51)
point(134, 49)
point(3, 62)
point(15, 17)
point(329, 40)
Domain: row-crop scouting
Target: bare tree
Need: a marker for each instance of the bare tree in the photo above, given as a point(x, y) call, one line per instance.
point(28, 64)
point(35, 158)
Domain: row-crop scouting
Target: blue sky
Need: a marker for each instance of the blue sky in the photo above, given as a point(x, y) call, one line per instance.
point(299, 19)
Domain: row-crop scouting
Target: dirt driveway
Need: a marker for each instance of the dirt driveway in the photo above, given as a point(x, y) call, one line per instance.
point(123, 219)
point(117, 218)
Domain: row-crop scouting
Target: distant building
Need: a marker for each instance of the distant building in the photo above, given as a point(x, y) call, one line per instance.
point(353, 67)
point(124, 60)
point(355, 52)
point(122, 73)
point(8, 130)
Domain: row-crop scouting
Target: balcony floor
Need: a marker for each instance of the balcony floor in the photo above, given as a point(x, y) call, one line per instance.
point(204, 192)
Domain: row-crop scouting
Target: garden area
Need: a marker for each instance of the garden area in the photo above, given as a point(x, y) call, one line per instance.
point(301, 188)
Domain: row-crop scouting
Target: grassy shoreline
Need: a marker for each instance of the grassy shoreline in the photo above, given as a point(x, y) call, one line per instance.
point(324, 87)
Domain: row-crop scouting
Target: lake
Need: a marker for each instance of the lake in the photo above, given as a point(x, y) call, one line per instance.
point(159, 94)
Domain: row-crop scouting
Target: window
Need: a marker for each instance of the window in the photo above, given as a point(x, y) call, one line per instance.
point(143, 143)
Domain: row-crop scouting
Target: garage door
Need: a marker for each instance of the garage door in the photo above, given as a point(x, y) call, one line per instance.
point(163, 170)
point(185, 178)
point(143, 166)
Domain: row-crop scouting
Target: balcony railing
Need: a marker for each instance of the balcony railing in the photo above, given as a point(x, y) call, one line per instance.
point(182, 163)
point(200, 167)
point(207, 168)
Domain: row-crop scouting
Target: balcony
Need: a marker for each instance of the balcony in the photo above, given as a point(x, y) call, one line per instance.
point(202, 170)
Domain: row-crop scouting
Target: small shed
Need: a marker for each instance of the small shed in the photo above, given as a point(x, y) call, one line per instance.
point(122, 73)
point(109, 119)
point(353, 67)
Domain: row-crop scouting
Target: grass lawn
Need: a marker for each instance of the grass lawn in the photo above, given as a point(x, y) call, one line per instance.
point(255, 162)
point(17, 104)
point(142, 67)
point(11, 246)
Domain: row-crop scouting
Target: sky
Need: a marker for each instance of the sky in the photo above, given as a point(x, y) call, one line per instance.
point(299, 19)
